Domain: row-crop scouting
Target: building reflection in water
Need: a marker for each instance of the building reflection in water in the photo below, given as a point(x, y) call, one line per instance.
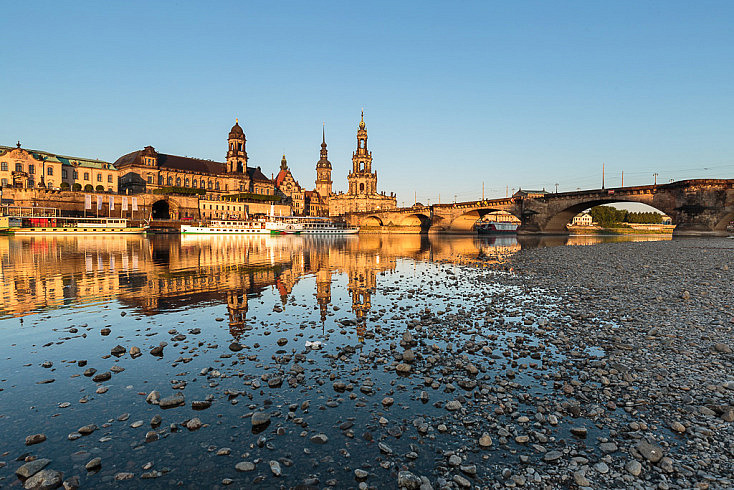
point(159, 274)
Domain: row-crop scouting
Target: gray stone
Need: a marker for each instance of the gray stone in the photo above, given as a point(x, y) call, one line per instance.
point(633, 467)
point(275, 468)
point(93, 464)
point(172, 401)
point(245, 466)
point(260, 418)
point(552, 456)
point(32, 467)
point(35, 439)
point(408, 480)
point(44, 480)
point(651, 452)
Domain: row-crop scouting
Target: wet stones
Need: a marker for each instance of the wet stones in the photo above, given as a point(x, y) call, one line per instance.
point(101, 377)
point(387, 401)
point(87, 429)
point(408, 356)
point(721, 348)
point(93, 464)
point(651, 452)
point(32, 467)
point(89, 372)
point(235, 347)
point(245, 466)
point(633, 467)
point(172, 401)
point(319, 439)
point(194, 424)
point(551, 456)
point(157, 351)
point(453, 405)
point(153, 397)
point(201, 404)
point(44, 480)
point(408, 480)
point(275, 468)
point(579, 432)
point(135, 352)
point(260, 419)
point(118, 351)
point(485, 441)
point(275, 382)
point(35, 439)
point(282, 341)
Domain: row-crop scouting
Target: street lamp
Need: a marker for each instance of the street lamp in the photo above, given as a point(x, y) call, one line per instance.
point(655, 176)
point(556, 188)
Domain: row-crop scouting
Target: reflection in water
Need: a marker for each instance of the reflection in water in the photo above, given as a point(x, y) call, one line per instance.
point(160, 274)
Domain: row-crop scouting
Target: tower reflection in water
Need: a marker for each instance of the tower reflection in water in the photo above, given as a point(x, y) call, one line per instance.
point(161, 274)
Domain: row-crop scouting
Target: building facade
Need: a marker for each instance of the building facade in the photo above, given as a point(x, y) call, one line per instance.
point(28, 169)
point(289, 187)
point(147, 170)
point(362, 195)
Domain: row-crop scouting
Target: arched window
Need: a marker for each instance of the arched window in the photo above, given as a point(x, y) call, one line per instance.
point(210, 185)
point(170, 180)
point(216, 185)
point(361, 187)
point(193, 183)
point(150, 179)
point(186, 182)
point(160, 180)
point(178, 181)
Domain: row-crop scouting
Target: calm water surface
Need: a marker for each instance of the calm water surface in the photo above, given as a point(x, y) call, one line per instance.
point(355, 296)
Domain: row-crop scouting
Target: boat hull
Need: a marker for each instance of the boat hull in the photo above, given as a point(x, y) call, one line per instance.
point(74, 231)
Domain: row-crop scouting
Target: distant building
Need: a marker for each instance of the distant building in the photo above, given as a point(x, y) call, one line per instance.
point(27, 169)
point(147, 170)
point(529, 194)
point(362, 195)
point(582, 219)
point(666, 220)
point(289, 187)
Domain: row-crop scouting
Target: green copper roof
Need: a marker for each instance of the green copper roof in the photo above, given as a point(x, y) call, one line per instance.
point(64, 160)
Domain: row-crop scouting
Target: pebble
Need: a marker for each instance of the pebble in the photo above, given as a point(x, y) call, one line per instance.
point(245, 466)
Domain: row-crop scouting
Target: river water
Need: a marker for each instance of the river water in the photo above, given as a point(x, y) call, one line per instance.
point(308, 330)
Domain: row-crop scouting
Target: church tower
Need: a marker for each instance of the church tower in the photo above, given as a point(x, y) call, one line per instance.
point(236, 154)
point(323, 169)
point(362, 181)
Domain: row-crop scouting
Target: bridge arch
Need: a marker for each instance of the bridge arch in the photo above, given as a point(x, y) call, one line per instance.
point(558, 221)
point(372, 221)
point(161, 210)
point(416, 220)
point(464, 223)
point(722, 225)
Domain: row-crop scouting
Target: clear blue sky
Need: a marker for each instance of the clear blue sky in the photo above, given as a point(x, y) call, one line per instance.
point(455, 94)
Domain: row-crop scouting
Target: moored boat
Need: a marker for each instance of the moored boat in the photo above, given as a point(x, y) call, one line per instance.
point(311, 225)
point(17, 220)
point(243, 227)
point(495, 228)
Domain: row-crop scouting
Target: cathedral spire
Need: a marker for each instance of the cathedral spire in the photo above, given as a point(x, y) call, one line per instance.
point(361, 123)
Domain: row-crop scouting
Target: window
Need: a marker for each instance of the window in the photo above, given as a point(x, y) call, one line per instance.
point(193, 183)
point(160, 180)
point(18, 167)
point(210, 184)
point(178, 181)
point(4, 182)
point(150, 179)
point(186, 182)
point(109, 178)
point(49, 171)
point(64, 173)
point(76, 175)
point(99, 177)
point(86, 175)
point(4, 166)
point(170, 180)
point(31, 169)
point(216, 186)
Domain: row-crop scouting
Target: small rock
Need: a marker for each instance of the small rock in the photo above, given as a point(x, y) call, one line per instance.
point(35, 439)
point(633, 467)
point(244, 466)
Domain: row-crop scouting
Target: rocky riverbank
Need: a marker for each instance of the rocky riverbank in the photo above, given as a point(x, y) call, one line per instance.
point(663, 314)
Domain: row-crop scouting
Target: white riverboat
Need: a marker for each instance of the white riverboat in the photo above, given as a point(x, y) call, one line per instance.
point(311, 225)
point(16, 220)
point(243, 227)
point(495, 228)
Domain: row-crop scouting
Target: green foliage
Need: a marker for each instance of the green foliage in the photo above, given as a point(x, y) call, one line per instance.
point(249, 196)
point(100, 188)
point(64, 186)
point(88, 188)
point(180, 190)
point(611, 216)
point(77, 186)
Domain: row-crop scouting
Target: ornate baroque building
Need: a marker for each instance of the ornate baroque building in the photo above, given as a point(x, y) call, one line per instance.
point(147, 170)
point(362, 195)
point(26, 169)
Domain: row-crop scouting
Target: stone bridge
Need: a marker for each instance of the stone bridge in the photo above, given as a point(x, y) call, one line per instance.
point(697, 207)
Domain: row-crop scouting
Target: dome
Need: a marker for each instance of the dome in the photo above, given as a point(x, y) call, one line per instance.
point(236, 131)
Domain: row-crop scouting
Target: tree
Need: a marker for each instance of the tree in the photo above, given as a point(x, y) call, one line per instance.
point(607, 215)
point(64, 186)
point(88, 188)
point(77, 186)
point(100, 188)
